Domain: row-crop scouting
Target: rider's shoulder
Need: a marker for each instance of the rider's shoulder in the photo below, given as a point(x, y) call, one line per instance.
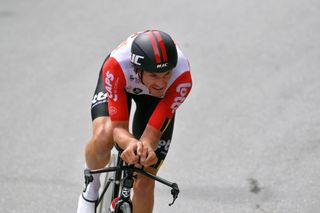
point(182, 67)
point(121, 55)
point(123, 50)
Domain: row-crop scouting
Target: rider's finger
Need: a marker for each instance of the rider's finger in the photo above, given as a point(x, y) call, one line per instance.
point(143, 155)
point(130, 157)
point(139, 148)
point(133, 157)
point(151, 159)
point(124, 157)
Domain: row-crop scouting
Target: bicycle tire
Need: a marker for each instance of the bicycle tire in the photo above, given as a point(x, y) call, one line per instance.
point(105, 203)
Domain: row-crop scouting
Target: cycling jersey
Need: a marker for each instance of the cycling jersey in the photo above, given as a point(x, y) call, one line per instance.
point(120, 78)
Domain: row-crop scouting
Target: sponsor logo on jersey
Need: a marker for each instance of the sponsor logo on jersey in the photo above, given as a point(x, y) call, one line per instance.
point(137, 91)
point(99, 98)
point(135, 59)
point(164, 146)
point(108, 80)
point(134, 78)
point(182, 89)
point(113, 110)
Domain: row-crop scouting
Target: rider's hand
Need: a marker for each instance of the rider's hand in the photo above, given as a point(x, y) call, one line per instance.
point(147, 155)
point(129, 155)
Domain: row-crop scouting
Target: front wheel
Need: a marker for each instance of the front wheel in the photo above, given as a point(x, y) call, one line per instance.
point(109, 179)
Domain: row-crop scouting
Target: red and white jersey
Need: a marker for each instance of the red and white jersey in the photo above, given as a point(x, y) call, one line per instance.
point(120, 77)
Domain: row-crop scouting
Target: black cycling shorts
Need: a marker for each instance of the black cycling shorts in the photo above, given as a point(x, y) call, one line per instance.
point(145, 105)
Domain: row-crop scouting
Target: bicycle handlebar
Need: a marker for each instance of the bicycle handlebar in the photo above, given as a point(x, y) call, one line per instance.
point(174, 187)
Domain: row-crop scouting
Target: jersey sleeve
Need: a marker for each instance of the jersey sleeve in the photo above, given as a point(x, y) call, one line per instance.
point(174, 97)
point(115, 82)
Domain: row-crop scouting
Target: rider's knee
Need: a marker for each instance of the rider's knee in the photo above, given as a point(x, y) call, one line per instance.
point(143, 185)
point(102, 140)
point(100, 135)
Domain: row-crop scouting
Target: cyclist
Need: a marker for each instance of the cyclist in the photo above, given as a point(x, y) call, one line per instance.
point(150, 69)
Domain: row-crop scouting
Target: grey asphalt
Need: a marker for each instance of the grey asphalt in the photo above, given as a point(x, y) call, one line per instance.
point(247, 139)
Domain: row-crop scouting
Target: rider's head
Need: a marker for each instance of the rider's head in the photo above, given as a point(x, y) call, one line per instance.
point(154, 51)
point(154, 55)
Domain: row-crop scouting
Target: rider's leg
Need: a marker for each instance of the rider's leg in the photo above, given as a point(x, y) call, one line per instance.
point(143, 193)
point(97, 151)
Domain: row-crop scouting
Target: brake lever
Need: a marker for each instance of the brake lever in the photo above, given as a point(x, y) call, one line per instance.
point(88, 178)
point(174, 191)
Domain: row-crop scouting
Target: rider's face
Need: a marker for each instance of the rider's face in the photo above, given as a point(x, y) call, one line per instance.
point(156, 82)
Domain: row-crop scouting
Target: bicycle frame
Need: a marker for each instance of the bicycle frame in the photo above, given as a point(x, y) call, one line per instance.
point(127, 181)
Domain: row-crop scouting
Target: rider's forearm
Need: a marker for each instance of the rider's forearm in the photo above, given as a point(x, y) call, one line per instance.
point(152, 136)
point(123, 137)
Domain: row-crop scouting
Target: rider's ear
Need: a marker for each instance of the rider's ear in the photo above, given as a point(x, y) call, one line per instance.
point(137, 69)
point(139, 72)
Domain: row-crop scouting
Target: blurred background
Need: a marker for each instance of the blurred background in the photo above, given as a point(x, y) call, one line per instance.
point(247, 139)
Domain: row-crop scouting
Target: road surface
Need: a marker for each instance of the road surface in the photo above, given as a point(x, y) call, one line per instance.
point(246, 140)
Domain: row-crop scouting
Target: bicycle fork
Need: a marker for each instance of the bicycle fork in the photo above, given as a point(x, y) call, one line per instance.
point(127, 185)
